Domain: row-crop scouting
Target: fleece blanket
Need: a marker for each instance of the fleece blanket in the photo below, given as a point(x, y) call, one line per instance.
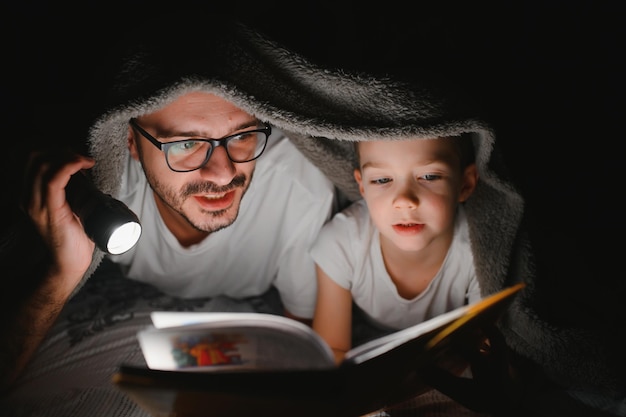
point(323, 110)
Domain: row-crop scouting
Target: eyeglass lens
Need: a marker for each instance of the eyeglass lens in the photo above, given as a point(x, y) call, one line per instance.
point(192, 154)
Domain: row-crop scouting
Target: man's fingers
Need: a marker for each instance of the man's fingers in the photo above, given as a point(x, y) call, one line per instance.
point(47, 174)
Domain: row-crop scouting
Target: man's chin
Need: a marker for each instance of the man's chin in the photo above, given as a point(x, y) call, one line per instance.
point(218, 221)
point(208, 218)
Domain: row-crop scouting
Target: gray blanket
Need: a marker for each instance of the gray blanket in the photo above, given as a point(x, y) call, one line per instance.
point(323, 110)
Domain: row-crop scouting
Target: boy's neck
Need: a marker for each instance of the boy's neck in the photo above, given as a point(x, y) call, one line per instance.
point(412, 272)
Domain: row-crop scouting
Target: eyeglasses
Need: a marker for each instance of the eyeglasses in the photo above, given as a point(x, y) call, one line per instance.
point(191, 154)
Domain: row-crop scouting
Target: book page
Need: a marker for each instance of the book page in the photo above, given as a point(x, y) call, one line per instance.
point(161, 319)
point(231, 341)
point(445, 324)
point(383, 344)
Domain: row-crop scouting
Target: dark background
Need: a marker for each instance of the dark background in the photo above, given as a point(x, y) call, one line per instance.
point(549, 76)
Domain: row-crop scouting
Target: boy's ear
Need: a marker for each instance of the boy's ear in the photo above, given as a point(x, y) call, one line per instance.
point(468, 183)
point(359, 180)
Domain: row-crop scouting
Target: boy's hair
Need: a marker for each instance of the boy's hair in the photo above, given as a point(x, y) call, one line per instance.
point(465, 147)
point(463, 144)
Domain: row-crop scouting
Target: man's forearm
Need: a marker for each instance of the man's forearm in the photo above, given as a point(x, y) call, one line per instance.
point(30, 300)
point(23, 334)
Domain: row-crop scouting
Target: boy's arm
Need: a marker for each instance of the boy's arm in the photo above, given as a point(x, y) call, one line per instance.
point(333, 315)
point(288, 314)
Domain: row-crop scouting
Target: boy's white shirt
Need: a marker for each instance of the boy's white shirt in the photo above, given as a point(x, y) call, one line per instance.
point(288, 201)
point(348, 251)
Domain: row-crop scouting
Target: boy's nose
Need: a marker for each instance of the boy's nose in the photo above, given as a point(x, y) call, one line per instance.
point(406, 198)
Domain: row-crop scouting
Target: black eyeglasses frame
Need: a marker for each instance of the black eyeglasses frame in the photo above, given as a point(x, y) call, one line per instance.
point(164, 146)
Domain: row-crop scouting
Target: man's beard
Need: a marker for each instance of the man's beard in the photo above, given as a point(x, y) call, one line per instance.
point(175, 199)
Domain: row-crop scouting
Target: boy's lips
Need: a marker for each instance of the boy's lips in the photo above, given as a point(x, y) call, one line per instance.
point(215, 202)
point(408, 228)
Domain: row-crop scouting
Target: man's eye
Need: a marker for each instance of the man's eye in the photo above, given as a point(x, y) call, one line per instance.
point(185, 147)
point(244, 137)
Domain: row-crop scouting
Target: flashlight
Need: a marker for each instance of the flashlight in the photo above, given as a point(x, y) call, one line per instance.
point(112, 226)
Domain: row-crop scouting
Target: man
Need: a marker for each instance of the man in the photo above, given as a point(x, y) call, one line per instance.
point(187, 248)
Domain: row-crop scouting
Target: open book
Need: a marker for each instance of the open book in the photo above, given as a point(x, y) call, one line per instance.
point(272, 365)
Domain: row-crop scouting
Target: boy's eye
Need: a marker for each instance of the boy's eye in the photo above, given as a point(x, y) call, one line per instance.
point(381, 181)
point(430, 177)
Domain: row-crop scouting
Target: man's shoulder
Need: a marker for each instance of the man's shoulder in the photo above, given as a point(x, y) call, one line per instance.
point(281, 150)
point(284, 158)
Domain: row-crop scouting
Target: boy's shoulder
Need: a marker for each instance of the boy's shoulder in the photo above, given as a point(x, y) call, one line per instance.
point(354, 217)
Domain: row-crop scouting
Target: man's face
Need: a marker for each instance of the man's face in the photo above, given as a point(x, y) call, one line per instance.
point(203, 201)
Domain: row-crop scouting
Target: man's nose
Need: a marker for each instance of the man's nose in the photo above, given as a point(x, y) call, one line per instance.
point(219, 168)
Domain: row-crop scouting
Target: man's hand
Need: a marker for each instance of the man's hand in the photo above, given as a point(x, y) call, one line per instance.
point(44, 199)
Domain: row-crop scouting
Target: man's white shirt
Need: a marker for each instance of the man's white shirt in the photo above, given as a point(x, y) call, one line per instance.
point(287, 203)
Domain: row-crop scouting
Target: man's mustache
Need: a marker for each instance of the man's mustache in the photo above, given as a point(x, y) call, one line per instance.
point(210, 187)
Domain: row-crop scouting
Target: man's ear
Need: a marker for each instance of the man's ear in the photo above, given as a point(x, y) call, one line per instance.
point(132, 144)
point(468, 182)
point(359, 180)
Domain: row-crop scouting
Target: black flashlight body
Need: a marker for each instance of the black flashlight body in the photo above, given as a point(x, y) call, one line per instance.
point(99, 213)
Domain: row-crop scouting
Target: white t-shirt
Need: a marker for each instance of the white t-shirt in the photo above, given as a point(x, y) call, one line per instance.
point(288, 201)
point(348, 250)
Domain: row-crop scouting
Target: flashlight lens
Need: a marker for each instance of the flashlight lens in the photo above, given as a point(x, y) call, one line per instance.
point(124, 238)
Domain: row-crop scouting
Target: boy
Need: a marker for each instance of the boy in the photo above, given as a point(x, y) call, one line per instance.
point(401, 254)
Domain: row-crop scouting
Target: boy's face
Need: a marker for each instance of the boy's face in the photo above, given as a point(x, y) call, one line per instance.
point(412, 189)
point(207, 199)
